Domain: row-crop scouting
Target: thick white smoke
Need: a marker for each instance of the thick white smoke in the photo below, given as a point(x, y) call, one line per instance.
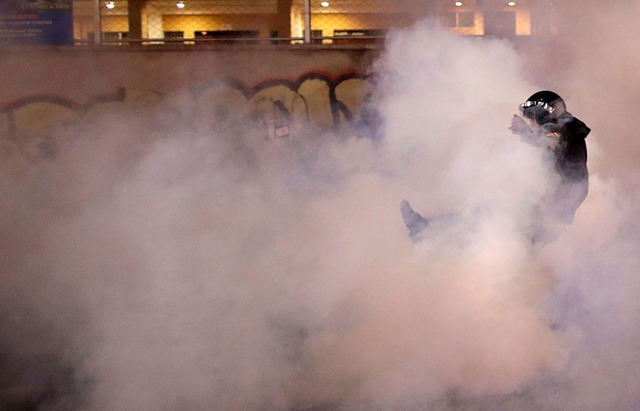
point(205, 268)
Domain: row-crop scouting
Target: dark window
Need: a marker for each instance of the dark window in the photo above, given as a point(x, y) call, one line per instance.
point(448, 19)
point(458, 19)
point(466, 19)
point(500, 23)
point(316, 36)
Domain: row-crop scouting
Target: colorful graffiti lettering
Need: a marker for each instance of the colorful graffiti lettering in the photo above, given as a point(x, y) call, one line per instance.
point(344, 105)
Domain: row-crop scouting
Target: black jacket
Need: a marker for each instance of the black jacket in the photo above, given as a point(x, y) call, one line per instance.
point(571, 151)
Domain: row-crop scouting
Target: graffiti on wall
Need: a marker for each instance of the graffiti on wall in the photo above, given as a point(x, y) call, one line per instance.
point(278, 109)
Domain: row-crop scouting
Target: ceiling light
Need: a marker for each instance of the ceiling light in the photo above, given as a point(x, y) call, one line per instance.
point(180, 5)
point(110, 4)
point(458, 4)
point(511, 3)
point(324, 4)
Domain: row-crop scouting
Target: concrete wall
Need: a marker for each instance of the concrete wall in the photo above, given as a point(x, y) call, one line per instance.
point(281, 91)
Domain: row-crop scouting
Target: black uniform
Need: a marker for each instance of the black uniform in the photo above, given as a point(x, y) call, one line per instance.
point(570, 162)
point(568, 156)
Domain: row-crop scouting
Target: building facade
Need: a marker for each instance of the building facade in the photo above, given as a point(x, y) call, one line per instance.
point(298, 21)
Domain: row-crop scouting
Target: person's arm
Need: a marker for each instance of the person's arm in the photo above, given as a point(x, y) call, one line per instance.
point(520, 127)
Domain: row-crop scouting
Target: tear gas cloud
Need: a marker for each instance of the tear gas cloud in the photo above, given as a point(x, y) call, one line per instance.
point(198, 268)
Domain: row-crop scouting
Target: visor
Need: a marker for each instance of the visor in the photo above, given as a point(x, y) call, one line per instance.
point(538, 105)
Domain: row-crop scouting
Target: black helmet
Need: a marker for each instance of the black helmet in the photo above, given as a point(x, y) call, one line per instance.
point(541, 106)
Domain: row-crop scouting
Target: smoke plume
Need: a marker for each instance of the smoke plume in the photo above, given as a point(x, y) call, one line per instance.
point(198, 266)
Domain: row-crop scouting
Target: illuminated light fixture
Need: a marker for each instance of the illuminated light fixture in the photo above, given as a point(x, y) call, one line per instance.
point(180, 5)
point(511, 3)
point(458, 4)
point(110, 4)
point(324, 4)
